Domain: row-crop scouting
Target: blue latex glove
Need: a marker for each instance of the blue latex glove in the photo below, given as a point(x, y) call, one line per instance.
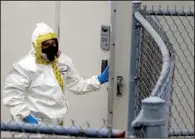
point(104, 76)
point(30, 119)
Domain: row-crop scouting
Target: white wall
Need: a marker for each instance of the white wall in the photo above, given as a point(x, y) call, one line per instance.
point(122, 56)
point(80, 39)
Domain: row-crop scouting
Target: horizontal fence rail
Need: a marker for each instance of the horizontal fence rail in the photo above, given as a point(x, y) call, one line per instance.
point(170, 12)
point(75, 131)
point(181, 134)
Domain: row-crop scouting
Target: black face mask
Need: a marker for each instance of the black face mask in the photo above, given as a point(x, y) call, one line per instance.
point(51, 52)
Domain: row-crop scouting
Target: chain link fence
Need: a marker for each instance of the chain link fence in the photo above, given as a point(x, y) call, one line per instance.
point(176, 28)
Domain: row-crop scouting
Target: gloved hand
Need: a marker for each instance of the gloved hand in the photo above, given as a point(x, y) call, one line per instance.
point(30, 119)
point(104, 76)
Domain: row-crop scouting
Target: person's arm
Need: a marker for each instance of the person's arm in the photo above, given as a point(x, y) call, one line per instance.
point(13, 94)
point(80, 86)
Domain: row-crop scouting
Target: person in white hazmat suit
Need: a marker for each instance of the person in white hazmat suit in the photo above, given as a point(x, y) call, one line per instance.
point(34, 88)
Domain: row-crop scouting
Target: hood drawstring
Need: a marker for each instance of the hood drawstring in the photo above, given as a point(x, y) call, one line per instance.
point(40, 60)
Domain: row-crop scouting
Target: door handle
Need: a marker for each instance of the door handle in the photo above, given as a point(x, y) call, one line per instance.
point(119, 85)
point(104, 65)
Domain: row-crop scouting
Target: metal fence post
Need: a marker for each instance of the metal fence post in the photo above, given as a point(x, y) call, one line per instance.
point(151, 118)
point(155, 124)
point(133, 67)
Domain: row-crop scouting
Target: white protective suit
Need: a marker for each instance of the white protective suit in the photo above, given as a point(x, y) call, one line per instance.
point(32, 88)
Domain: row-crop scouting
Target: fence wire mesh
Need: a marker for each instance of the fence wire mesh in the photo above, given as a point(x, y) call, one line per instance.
point(177, 31)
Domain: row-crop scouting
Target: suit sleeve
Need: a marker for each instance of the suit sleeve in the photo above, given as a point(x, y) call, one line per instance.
point(77, 84)
point(13, 92)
